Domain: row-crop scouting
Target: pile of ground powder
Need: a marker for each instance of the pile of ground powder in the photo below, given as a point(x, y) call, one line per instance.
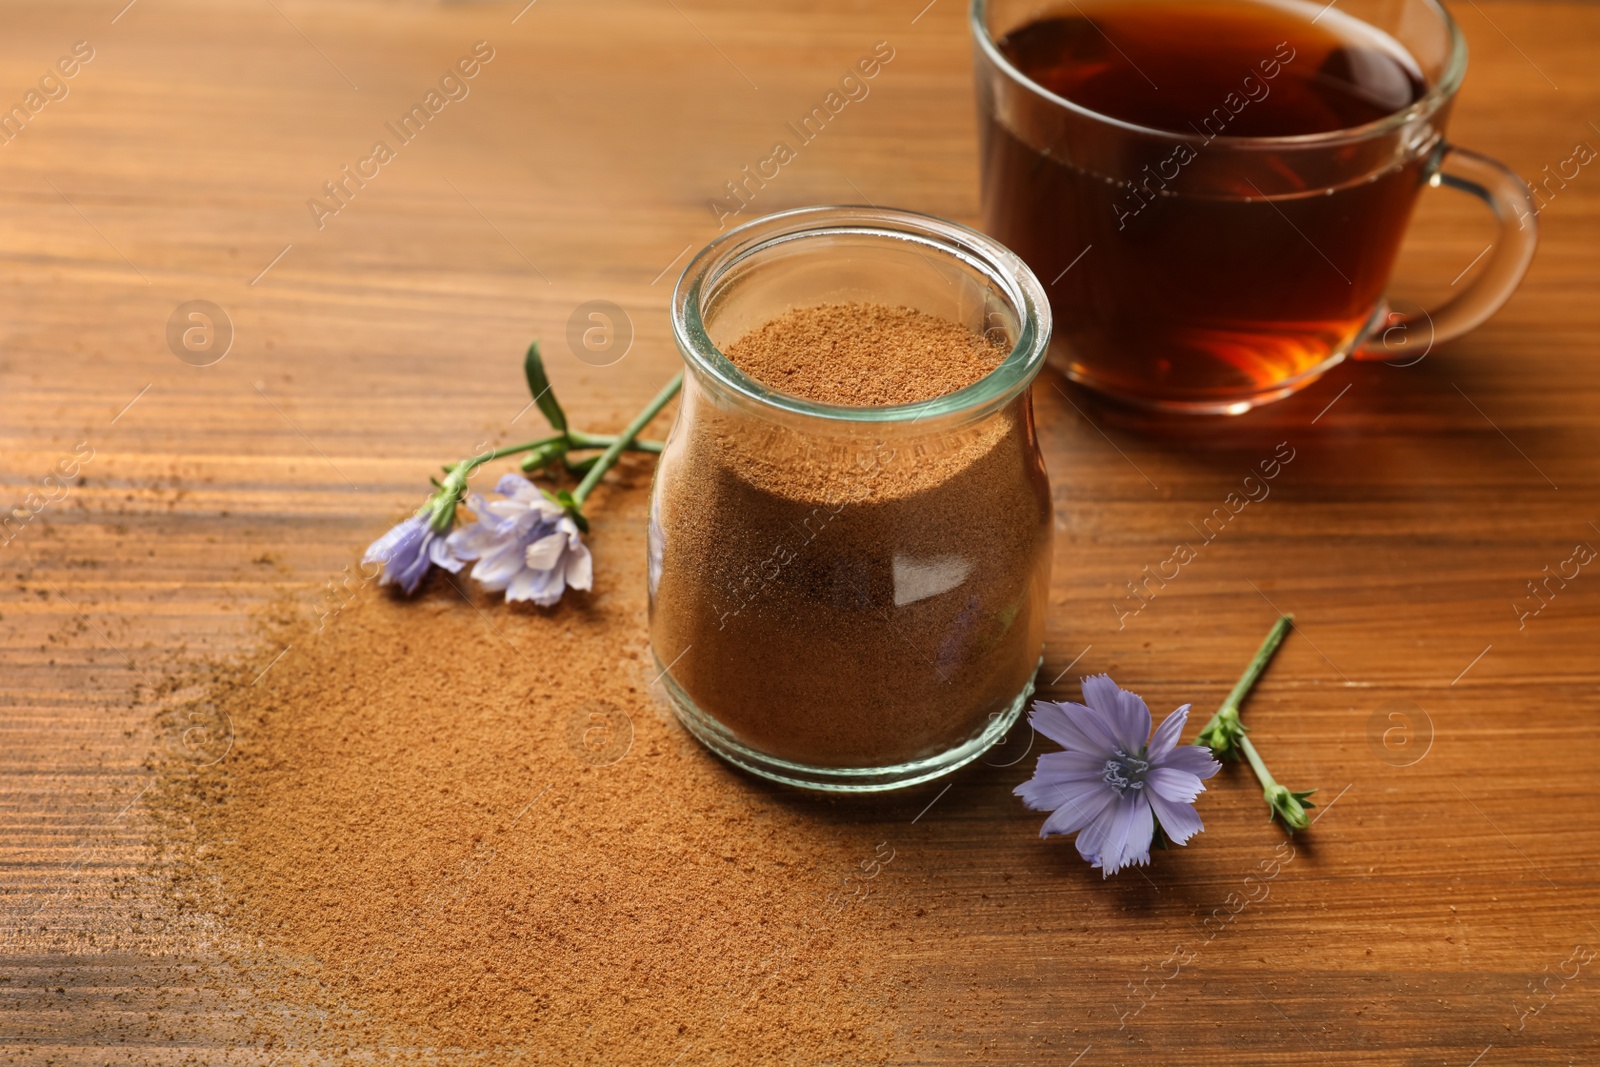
point(864, 355)
point(846, 594)
point(447, 823)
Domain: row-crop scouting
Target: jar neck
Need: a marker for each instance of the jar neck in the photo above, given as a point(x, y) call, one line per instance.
point(806, 243)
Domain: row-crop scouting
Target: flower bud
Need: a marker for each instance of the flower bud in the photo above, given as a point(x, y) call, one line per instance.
point(543, 456)
point(1289, 806)
point(1222, 734)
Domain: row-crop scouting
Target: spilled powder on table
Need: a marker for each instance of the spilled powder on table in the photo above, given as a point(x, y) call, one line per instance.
point(413, 836)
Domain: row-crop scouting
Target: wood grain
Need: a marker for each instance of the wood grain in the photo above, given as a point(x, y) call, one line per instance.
point(1410, 923)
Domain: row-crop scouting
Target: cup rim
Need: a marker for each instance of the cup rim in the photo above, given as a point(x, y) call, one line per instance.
point(1454, 70)
point(1002, 266)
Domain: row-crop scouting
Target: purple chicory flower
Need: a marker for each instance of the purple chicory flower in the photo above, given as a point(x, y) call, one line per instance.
point(1115, 780)
point(524, 543)
point(408, 550)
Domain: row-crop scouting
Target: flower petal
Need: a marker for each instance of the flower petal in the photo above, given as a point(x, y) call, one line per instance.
point(1082, 810)
point(1125, 713)
point(497, 567)
point(1100, 693)
point(1093, 836)
point(477, 505)
point(580, 566)
point(510, 512)
point(1059, 776)
point(405, 533)
point(1170, 783)
point(474, 539)
point(411, 574)
point(1165, 739)
point(1178, 821)
point(442, 555)
point(512, 484)
point(1120, 836)
point(1196, 759)
point(547, 587)
point(1134, 846)
point(528, 497)
point(404, 552)
point(1073, 763)
point(545, 553)
point(531, 585)
point(1073, 726)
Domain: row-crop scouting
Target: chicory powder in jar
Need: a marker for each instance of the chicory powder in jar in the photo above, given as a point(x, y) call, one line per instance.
point(851, 522)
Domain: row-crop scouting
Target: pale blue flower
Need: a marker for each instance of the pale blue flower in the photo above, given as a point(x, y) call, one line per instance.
point(408, 550)
point(524, 543)
point(1115, 780)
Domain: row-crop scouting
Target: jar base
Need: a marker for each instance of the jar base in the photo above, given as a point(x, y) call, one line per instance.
point(716, 737)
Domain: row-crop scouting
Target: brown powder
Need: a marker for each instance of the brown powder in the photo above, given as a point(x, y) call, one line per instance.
point(450, 823)
point(853, 595)
point(864, 355)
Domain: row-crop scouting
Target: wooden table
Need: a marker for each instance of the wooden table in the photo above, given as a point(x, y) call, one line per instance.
point(1455, 744)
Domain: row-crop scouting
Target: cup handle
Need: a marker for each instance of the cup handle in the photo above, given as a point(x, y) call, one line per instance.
point(1506, 194)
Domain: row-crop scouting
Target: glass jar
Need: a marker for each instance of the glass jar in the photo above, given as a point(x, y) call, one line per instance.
point(851, 598)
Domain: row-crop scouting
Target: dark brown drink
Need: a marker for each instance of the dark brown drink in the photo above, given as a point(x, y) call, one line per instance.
point(1197, 268)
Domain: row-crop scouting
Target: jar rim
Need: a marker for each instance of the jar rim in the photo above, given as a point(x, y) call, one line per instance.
point(978, 251)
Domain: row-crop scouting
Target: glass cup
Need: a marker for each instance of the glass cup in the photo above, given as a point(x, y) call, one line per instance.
point(1204, 272)
point(851, 598)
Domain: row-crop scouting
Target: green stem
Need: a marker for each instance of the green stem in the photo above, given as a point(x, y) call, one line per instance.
point(609, 457)
point(1247, 680)
point(1226, 736)
point(602, 440)
point(442, 505)
point(1263, 775)
point(575, 440)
